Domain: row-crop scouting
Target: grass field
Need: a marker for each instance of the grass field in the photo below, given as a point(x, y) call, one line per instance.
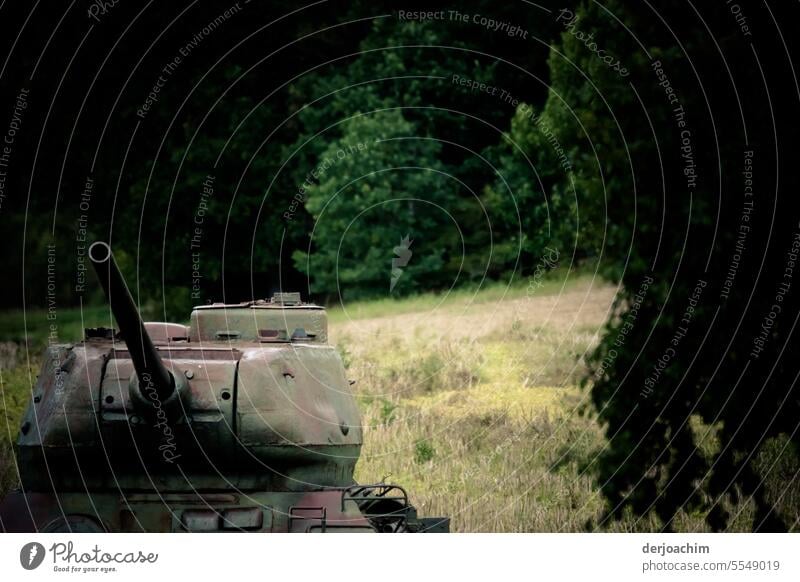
point(469, 400)
point(472, 403)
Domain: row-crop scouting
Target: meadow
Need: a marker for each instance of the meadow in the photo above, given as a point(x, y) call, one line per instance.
point(471, 400)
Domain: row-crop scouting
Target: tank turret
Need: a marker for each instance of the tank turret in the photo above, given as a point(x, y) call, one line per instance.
point(242, 420)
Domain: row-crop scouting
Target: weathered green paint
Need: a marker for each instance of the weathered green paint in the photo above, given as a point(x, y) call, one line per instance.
point(260, 432)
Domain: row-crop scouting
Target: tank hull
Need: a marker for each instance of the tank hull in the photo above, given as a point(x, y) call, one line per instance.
point(180, 512)
point(330, 511)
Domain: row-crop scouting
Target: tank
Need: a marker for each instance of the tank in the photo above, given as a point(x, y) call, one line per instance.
point(242, 420)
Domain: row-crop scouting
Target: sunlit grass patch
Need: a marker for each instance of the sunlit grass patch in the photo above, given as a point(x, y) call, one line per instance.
point(463, 298)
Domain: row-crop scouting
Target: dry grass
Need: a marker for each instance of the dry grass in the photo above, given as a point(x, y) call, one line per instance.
point(475, 410)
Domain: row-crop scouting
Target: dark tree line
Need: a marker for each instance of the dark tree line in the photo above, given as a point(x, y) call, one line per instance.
point(155, 101)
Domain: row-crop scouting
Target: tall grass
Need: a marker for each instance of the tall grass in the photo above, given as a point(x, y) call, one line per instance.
point(15, 391)
point(479, 415)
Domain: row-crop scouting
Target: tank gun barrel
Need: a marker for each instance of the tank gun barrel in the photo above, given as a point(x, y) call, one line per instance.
point(150, 370)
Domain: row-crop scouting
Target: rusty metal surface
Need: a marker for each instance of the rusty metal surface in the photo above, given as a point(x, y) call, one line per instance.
point(252, 435)
point(164, 332)
point(247, 322)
